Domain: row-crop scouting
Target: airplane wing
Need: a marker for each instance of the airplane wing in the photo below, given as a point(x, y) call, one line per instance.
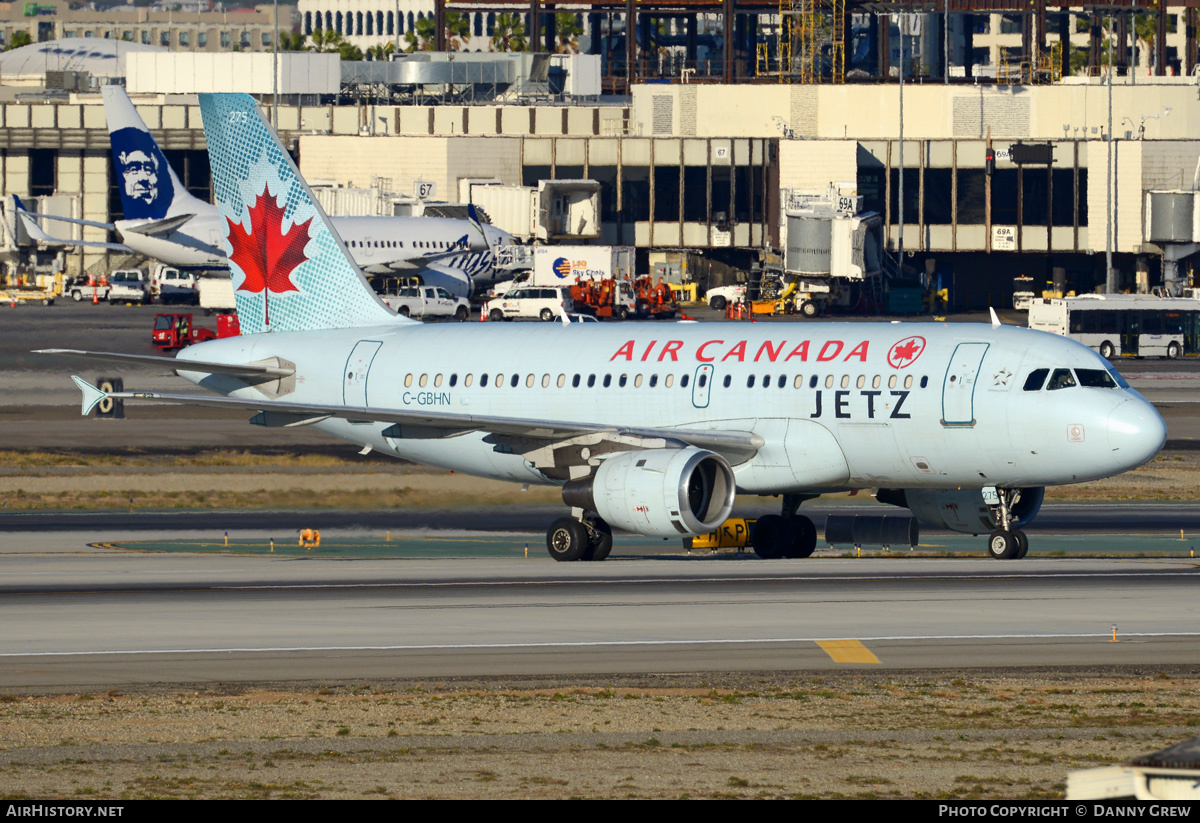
point(265, 370)
point(534, 434)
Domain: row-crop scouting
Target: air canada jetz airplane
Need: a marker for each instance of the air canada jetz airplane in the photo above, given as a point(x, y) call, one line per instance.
point(647, 427)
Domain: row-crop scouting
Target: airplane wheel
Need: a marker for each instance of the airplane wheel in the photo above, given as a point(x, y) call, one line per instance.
point(1022, 543)
point(567, 539)
point(805, 541)
point(495, 315)
point(1002, 545)
point(773, 536)
point(602, 545)
point(1106, 350)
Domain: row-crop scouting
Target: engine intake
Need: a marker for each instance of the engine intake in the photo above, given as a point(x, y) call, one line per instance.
point(660, 492)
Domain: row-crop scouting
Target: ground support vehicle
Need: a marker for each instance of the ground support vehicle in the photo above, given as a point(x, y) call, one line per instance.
point(722, 296)
point(654, 299)
point(427, 301)
point(89, 288)
point(177, 331)
point(216, 293)
point(541, 303)
point(170, 285)
point(605, 298)
point(1123, 325)
point(129, 286)
point(39, 288)
point(13, 296)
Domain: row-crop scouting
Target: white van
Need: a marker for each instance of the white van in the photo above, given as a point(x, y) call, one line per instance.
point(542, 302)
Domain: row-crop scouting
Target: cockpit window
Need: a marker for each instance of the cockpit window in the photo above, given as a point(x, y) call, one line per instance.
point(1036, 379)
point(1061, 379)
point(1095, 379)
point(1116, 376)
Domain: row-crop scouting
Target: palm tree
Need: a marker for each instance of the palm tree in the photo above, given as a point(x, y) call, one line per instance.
point(566, 32)
point(291, 41)
point(509, 33)
point(325, 41)
point(458, 29)
point(383, 51)
point(422, 36)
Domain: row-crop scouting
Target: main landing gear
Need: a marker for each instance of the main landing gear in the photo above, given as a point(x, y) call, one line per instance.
point(584, 538)
point(1006, 542)
point(787, 534)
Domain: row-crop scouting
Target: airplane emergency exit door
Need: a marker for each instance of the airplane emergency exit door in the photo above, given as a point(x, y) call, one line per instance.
point(358, 367)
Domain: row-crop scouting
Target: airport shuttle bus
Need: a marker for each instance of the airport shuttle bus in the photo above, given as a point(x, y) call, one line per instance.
point(1123, 325)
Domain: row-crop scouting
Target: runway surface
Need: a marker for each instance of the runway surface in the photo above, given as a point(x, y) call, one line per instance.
point(79, 618)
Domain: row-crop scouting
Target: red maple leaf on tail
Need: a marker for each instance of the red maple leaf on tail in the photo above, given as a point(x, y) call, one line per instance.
point(265, 254)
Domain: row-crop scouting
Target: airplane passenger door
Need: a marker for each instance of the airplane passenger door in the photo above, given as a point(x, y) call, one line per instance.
point(701, 385)
point(958, 387)
point(358, 366)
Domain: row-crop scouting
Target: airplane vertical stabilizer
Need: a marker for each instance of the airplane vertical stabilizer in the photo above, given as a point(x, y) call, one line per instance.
point(149, 188)
point(291, 271)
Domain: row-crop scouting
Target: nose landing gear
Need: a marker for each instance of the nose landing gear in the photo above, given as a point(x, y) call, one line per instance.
point(1006, 542)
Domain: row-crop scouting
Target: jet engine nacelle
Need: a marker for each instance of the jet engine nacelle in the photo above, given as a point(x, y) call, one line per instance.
point(661, 492)
point(962, 510)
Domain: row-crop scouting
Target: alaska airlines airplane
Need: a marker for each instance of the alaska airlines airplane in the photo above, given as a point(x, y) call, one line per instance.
point(166, 222)
point(648, 427)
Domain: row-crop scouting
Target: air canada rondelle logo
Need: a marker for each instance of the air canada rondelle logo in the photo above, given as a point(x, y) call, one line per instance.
point(904, 353)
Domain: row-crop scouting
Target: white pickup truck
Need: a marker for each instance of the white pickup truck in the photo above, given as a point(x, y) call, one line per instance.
point(129, 286)
point(427, 301)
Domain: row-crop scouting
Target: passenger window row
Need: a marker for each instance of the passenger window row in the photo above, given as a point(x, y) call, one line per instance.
point(652, 381)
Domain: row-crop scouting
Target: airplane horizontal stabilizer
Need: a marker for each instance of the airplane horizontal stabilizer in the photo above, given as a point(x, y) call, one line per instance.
point(199, 366)
point(159, 228)
point(91, 395)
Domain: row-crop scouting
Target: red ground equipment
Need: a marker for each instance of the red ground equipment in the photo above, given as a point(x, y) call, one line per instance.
point(175, 331)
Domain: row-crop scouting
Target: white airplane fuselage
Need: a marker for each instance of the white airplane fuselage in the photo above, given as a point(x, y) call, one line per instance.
point(839, 405)
point(379, 245)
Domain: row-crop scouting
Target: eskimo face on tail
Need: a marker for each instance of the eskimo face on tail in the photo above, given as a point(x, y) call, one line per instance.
point(291, 271)
point(146, 188)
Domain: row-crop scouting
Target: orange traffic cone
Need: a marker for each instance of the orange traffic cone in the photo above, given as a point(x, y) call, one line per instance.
point(483, 313)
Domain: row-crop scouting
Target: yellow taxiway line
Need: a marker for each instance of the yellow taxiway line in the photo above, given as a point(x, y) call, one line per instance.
point(847, 651)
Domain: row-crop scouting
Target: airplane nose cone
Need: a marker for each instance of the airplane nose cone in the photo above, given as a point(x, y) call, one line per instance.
point(1136, 432)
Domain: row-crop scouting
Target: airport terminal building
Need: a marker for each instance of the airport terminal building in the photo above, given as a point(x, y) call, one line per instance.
point(997, 180)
